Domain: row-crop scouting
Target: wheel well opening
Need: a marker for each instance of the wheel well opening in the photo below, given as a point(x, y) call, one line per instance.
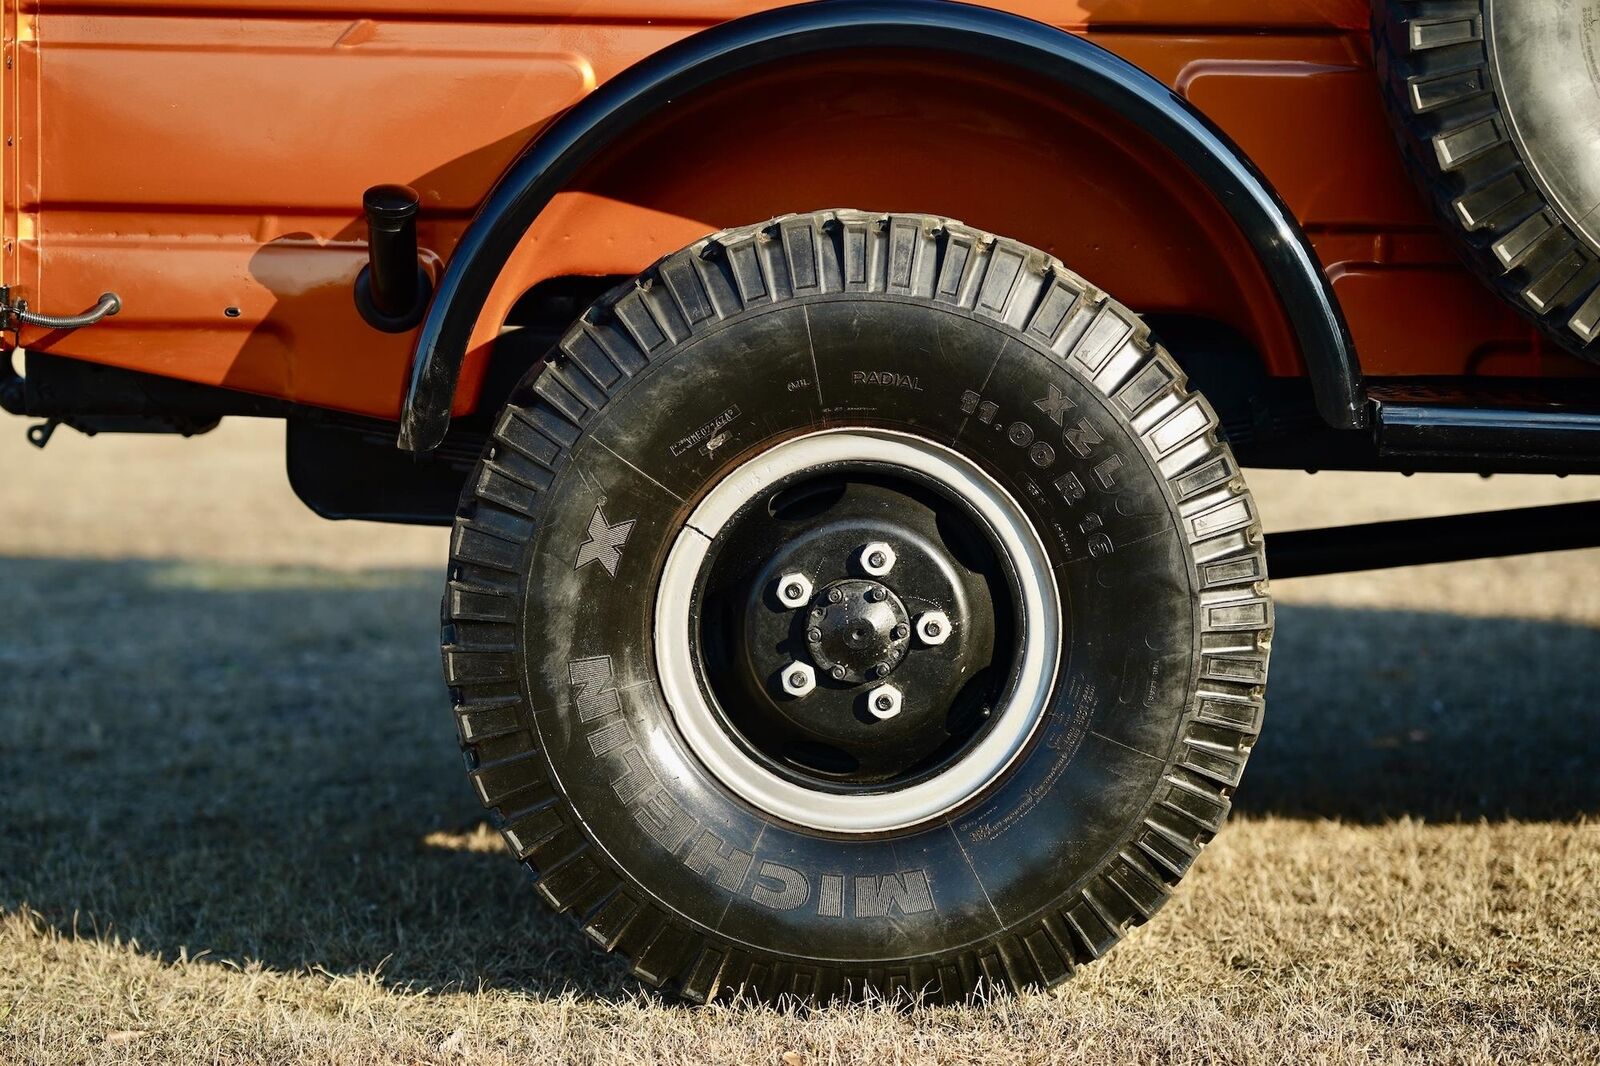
point(531, 328)
point(978, 142)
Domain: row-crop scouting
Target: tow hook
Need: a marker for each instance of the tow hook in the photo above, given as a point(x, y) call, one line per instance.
point(13, 316)
point(392, 290)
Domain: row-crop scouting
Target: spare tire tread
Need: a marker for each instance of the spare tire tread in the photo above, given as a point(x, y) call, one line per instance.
point(1439, 90)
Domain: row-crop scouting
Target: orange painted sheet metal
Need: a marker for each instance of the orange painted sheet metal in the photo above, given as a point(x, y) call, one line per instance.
point(209, 169)
point(1161, 16)
point(856, 130)
point(9, 157)
point(213, 113)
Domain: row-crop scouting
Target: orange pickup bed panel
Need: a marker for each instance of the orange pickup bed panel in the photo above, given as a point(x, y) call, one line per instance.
point(208, 166)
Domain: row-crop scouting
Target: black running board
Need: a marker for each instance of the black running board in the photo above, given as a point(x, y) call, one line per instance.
point(1526, 438)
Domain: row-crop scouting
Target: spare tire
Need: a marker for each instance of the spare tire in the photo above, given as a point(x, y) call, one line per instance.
point(1497, 105)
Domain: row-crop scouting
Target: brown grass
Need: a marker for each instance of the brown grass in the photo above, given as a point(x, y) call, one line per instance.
point(233, 826)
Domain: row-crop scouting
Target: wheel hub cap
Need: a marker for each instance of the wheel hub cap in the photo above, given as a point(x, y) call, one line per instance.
point(858, 631)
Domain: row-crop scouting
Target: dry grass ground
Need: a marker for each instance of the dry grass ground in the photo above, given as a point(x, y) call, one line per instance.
point(233, 825)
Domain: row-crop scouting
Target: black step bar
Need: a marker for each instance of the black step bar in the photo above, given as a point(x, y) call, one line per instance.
point(1535, 437)
point(1479, 425)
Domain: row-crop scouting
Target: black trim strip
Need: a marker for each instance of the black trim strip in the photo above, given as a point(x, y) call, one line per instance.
point(789, 33)
point(1490, 434)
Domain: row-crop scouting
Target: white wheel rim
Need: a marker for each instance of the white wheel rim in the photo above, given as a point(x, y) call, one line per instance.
point(1040, 630)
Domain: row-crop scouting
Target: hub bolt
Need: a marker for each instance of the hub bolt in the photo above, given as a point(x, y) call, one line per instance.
point(933, 628)
point(876, 594)
point(884, 701)
point(835, 596)
point(876, 558)
point(799, 679)
point(794, 590)
point(902, 631)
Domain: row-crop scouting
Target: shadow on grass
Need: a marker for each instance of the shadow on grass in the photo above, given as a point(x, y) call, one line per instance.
point(257, 763)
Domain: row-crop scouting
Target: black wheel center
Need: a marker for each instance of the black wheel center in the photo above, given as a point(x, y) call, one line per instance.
point(799, 683)
point(857, 630)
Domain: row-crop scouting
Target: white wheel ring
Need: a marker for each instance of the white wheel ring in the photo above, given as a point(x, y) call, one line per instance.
point(1040, 634)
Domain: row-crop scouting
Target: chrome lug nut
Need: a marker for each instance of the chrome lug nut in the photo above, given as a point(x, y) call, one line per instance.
point(794, 590)
point(933, 628)
point(798, 679)
point(884, 701)
point(876, 558)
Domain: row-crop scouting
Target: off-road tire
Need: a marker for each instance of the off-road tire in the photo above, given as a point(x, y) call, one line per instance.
point(1459, 135)
point(1156, 546)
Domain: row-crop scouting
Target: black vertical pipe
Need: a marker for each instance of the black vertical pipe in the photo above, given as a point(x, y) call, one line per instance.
point(392, 247)
point(392, 290)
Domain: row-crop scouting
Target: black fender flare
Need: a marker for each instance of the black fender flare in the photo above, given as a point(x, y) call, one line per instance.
point(789, 33)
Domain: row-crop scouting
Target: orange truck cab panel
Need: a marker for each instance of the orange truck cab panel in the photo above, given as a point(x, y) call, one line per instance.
point(208, 167)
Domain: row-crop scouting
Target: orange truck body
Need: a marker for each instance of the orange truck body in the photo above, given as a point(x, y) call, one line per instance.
point(208, 164)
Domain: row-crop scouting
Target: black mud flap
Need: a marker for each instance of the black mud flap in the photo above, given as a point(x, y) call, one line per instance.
point(353, 471)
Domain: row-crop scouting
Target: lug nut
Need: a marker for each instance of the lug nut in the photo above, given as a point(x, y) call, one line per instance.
point(794, 590)
point(798, 679)
point(877, 558)
point(933, 628)
point(884, 701)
